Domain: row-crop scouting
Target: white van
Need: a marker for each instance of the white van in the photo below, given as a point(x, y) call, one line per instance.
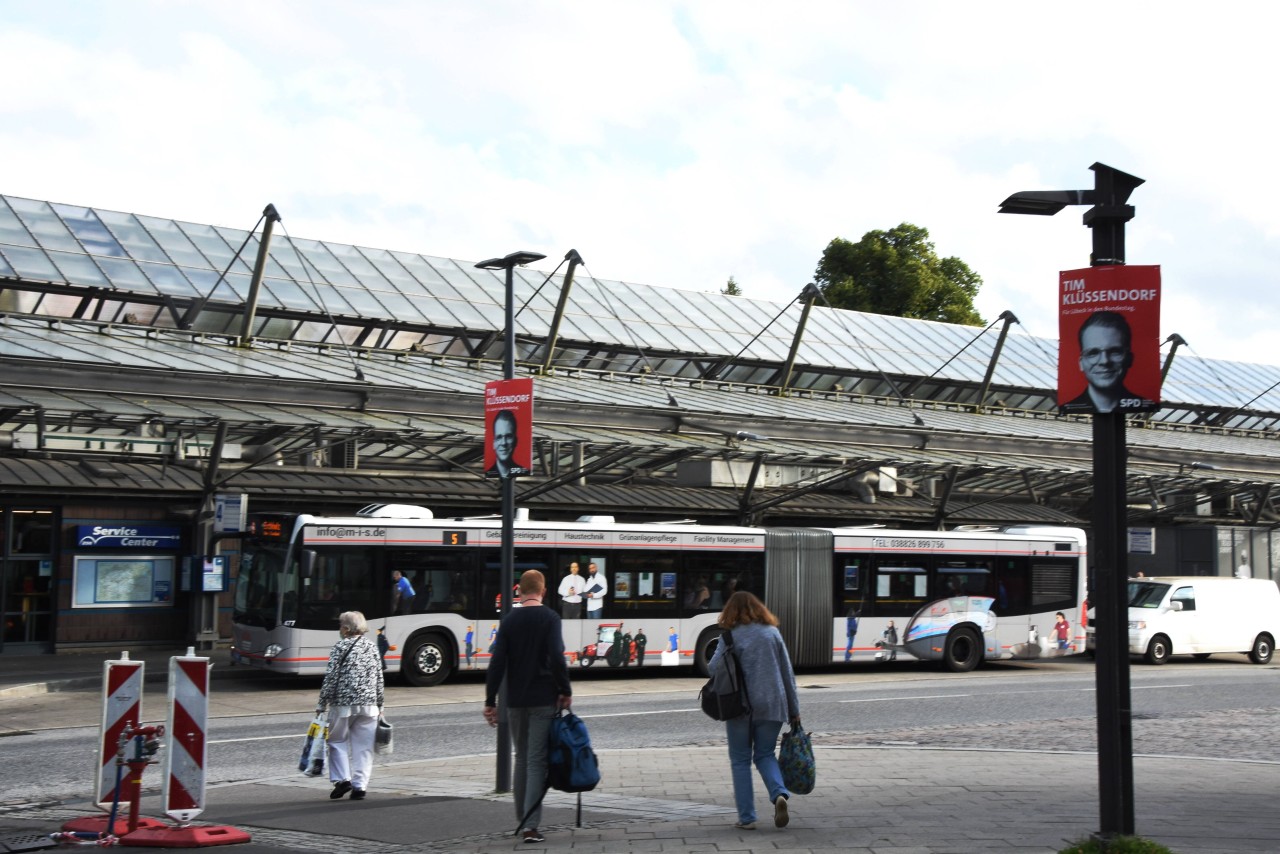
point(1201, 615)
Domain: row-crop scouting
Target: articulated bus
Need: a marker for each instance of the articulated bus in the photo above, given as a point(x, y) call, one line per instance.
point(956, 597)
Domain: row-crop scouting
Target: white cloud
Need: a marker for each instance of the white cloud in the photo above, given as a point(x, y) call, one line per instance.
point(675, 143)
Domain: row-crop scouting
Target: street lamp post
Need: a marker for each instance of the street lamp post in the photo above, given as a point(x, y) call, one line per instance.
point(1106, 219)
point(509, 263)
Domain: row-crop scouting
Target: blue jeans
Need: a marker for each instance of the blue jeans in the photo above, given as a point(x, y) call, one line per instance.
point(753, 741)
point(529, 730)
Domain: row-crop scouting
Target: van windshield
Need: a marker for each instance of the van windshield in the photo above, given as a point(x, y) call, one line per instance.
point(1146, 594)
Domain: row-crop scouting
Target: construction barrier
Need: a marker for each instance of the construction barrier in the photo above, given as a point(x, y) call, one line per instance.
point(122, 681)
point(125, 744)
point(184, 767)
point(184, 772)
point(121, 708)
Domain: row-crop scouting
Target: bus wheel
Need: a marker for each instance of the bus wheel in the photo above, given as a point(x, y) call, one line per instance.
point(1158, 650)
point(1263, 647)
point(426, 661)
point(705, 650)
point(963, 651)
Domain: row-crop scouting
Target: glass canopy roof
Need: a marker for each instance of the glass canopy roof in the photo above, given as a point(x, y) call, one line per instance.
point(88, 263)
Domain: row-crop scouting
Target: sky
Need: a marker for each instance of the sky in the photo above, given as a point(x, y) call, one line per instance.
point(674, 143)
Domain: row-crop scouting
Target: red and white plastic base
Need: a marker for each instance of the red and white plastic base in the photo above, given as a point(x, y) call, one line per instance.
point(102, 824)
point(184, 836)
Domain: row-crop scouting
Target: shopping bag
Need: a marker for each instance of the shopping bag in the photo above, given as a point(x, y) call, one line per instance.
point(796, 760)
point(311, 762)
point(382, 737)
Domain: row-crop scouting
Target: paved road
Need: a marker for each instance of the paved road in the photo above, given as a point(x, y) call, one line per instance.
point(1205, 781)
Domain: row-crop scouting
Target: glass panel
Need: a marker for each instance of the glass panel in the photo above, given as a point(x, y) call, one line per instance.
point(362, 301)
point(168, 279)
point(203, 281)
point(124, 274)
point(239, 283)
point(389, 267)
point(79, 269)
point(5, 269)
point(423, 273)
point(359, 266)
point(45, 225)
point(32, 532)
point(28, 598)
point(175, 244)
point(293, 294)
point(133, 236)
point(12, 231)
point(399, 307)
point(31, 264)
point(475, 286)
point(215, 248)
point(284, 253)
point(323, 264)
point(85, 225)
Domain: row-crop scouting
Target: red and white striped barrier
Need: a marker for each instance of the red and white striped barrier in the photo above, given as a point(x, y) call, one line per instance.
point(184, 772)
point(121, 707)
point(184, 766)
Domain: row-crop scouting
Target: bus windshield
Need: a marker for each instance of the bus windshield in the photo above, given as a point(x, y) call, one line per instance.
point(258, 585)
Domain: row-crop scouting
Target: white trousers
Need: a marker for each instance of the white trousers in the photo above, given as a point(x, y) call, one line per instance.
point(351, 749)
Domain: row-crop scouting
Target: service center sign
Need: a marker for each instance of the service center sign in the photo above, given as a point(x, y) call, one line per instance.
point(1109, 339)
point(128, 536)
point(508, 416)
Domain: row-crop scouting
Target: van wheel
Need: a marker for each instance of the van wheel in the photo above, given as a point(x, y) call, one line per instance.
point(1263, 647)
point(1158, 650)
point(705, 650)
point(963, 651)
point(427, 661)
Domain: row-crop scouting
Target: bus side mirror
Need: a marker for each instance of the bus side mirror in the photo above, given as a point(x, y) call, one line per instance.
point(307, 563)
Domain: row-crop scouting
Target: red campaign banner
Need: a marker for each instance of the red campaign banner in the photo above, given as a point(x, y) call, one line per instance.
point(508, 437)
point(1109, 339)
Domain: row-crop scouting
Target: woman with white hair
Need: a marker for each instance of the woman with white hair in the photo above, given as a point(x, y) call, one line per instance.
point(352, 693)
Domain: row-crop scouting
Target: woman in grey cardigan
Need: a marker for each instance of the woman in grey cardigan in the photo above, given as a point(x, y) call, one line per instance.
point(771, 688)
point(352, 692)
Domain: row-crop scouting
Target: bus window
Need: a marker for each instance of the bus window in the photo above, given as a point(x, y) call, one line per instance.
point(342, 578)
point(636, 583)
point(708, 580)
point(964, 578)
point(256, 583)
point(442, 579)
point(1012, 594)
point(901, 588)
point(848, 576)
point(490, 589)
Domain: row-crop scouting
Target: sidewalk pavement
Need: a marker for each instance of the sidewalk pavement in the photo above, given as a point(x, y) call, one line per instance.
point(871, 799)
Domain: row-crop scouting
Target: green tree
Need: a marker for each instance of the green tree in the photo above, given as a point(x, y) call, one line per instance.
point(731, 288)
point(898, 272)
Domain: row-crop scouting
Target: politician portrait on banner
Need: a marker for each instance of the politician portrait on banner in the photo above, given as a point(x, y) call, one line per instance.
point(508, 411)
point(1109, 340)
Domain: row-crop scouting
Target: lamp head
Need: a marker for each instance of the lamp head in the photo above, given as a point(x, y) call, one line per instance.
point(515, 259)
